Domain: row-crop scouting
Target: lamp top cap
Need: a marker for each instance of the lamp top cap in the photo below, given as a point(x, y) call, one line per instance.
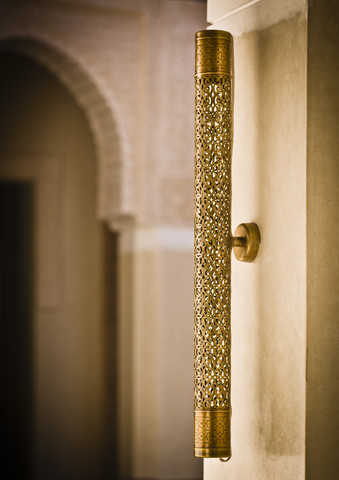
point(213, 53)
point(222, 34)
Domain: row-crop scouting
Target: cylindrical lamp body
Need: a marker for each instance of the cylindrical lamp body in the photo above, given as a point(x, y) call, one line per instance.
point(213, 243)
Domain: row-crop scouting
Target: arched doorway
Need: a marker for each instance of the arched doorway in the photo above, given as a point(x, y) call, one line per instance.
point(48, 169)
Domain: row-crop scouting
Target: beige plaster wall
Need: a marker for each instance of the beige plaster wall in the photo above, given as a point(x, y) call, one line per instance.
point(176, 384)
point(40, 121)
point(156, 440)
point(269, 296)
point(322, 419)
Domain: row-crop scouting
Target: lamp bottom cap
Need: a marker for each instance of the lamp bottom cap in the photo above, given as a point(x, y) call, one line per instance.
point(212, 452)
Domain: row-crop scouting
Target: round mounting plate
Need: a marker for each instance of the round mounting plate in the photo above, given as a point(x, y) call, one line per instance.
point(247, 250)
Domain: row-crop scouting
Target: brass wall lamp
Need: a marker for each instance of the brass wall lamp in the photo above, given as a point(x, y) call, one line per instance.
point(213, 243)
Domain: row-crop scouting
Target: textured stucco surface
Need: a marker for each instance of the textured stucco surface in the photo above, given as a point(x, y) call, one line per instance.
point(269, 296)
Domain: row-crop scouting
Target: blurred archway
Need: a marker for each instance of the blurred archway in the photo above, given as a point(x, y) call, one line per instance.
point(92, 97)
point(59, 408)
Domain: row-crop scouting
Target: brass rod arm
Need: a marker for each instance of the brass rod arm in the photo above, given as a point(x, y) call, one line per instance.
point(239, 242)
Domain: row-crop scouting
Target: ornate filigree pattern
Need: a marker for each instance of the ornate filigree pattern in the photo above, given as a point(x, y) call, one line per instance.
point(213, 244)
point(213, 241)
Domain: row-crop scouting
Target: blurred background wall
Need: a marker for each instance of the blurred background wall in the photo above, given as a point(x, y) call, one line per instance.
point(96, 183)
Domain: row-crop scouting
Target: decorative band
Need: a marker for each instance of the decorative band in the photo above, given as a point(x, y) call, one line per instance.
point(214, 53)
point(212, 433)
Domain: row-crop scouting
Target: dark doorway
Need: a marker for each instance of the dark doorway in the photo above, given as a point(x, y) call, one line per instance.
point(16, 316)
point(75, 415)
